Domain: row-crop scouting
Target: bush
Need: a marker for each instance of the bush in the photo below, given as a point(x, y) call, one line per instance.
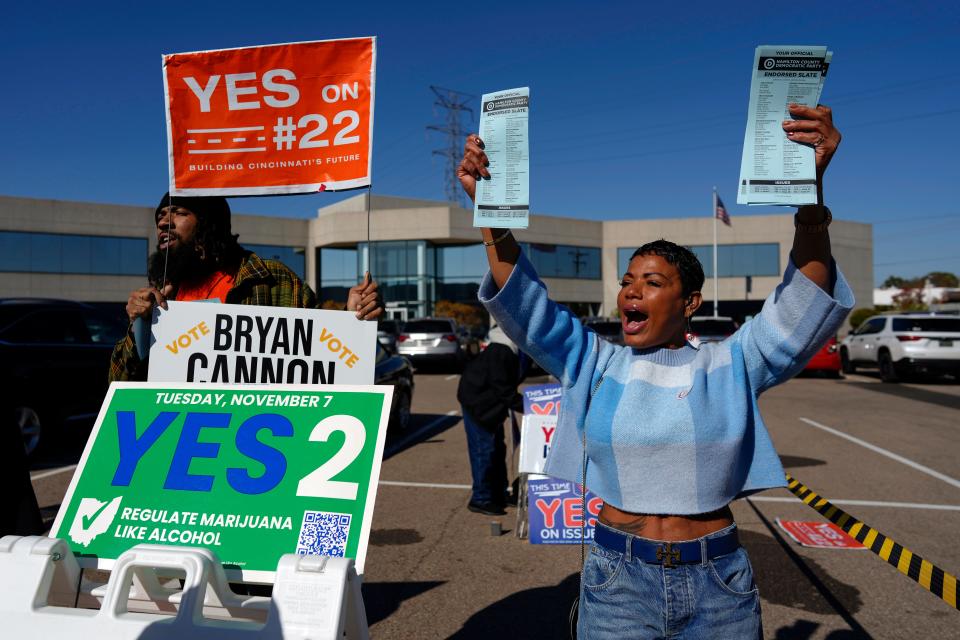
point(466, 315)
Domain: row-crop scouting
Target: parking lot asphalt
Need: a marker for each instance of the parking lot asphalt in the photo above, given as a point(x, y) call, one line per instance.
point(887, 454)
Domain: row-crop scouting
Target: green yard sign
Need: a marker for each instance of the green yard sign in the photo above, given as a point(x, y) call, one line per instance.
point(251, 473)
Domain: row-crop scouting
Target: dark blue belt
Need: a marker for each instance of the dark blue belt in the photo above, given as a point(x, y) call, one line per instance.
point(666, 553)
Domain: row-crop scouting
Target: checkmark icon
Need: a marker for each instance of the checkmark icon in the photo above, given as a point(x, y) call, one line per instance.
point(88, 520)
point(93, 518)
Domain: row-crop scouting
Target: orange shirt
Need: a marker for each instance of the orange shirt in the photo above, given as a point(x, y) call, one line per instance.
point(215, 286)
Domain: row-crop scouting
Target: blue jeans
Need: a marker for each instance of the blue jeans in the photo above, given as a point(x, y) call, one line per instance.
point(624, 597)
point(488, 461)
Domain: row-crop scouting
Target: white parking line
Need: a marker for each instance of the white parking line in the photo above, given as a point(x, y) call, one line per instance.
point(428, 485)
point(884, 452)
point(52, 472)
point(454, 376)
point(396, 446)
point(868, 503)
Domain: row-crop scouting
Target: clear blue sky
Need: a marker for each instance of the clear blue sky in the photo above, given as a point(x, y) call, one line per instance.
point(636, 110)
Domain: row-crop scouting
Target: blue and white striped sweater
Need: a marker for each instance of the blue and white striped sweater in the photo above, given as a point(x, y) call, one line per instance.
point(669, 431)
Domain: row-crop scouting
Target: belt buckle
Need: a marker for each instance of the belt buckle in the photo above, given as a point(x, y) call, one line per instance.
point(668, 555)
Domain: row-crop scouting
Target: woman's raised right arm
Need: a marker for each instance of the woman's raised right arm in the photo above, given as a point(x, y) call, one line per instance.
point(513, 294)
point(502, 248)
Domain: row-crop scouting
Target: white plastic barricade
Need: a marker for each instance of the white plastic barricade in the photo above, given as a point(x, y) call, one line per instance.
point(43, 594)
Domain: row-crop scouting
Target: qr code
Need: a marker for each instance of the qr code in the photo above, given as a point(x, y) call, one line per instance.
point(324, 534)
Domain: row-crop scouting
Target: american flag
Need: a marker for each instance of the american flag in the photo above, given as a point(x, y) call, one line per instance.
point(721, 212)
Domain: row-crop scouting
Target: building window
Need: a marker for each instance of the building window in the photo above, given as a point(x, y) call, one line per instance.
point(293, 257)
point(62, 253)
point(740, 259)
point(564, 261)
point(733, 260)
point(459, 271)
point(338, 270)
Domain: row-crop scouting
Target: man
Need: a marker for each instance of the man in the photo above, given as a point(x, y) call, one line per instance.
point(199, 258)
point(487, 392)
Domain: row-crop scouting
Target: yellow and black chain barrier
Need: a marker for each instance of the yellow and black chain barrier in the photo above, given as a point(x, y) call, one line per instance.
point(923, 572)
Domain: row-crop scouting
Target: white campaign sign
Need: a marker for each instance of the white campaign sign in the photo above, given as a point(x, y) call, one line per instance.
point(231, 343)
point(535, 440)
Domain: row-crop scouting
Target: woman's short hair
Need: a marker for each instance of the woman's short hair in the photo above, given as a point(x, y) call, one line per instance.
point(686, 262)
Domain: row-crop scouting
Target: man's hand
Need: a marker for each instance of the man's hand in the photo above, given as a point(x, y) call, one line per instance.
point(814, 126)
point(474, 165)
point(141, 302)
point(365, 299)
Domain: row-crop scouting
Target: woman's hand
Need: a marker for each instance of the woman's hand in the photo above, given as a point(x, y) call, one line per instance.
point(474, 165)
point(365, 300)
point(141, 302)
point(814, 126)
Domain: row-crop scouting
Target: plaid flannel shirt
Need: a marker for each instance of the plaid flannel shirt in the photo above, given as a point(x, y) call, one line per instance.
point(267, 283)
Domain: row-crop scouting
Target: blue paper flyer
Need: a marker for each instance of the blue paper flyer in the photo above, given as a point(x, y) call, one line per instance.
point(503, 201)
point(774, 170)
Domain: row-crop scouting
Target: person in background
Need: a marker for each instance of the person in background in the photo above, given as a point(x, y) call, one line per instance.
point(199, 258)
point(487, 394)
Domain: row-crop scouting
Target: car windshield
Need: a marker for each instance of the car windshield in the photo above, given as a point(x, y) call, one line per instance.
point(926, 324)
point(712, 327)
point(428, 326)
point(606, 328)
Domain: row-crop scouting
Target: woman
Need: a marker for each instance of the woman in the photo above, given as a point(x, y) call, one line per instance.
point(670, 433)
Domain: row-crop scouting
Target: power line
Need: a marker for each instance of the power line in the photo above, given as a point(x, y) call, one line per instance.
point(455, 105)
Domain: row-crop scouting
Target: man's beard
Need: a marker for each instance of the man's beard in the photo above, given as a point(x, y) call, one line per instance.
point(182, 264)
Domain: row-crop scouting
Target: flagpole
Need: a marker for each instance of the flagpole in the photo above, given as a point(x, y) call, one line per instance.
point(716, 285)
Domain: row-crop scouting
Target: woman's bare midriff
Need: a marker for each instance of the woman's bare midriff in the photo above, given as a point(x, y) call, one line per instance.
point(666, 528)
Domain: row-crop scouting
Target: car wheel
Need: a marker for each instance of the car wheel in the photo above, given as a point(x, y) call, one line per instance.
point(400, 420)
point(845, 365)
point(888, 371)
point(30, 428)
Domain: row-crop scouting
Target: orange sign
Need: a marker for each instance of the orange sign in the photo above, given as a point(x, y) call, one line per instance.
point(284, 118)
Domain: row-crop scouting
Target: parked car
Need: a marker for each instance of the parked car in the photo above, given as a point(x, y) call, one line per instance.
point(904, 344)
point(826, 360)
point(397, 371)
point(471, 340)
point(607, 328)
point(711, 329)
point(56, 356)
point(430, 340)
point(387, 332)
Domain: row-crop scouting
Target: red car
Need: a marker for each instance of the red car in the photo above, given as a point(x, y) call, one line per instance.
point(827, 360)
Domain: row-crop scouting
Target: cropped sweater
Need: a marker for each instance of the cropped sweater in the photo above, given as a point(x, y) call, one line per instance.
point(668, 431)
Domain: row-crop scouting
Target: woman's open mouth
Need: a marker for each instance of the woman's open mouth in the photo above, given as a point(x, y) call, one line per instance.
point(634, 321)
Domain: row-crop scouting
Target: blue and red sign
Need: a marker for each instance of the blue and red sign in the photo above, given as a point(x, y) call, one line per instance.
point(555, 509)
point(542, 399)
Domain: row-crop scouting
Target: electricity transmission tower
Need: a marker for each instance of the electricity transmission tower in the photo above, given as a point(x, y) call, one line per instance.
point(456, 105)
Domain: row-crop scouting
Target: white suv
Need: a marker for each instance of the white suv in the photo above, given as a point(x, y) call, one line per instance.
point(903, 344)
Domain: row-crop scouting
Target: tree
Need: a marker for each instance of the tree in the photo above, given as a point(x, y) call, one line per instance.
point(910, 299)
point(943, 279)
point(466, 315)
point(936, 279)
